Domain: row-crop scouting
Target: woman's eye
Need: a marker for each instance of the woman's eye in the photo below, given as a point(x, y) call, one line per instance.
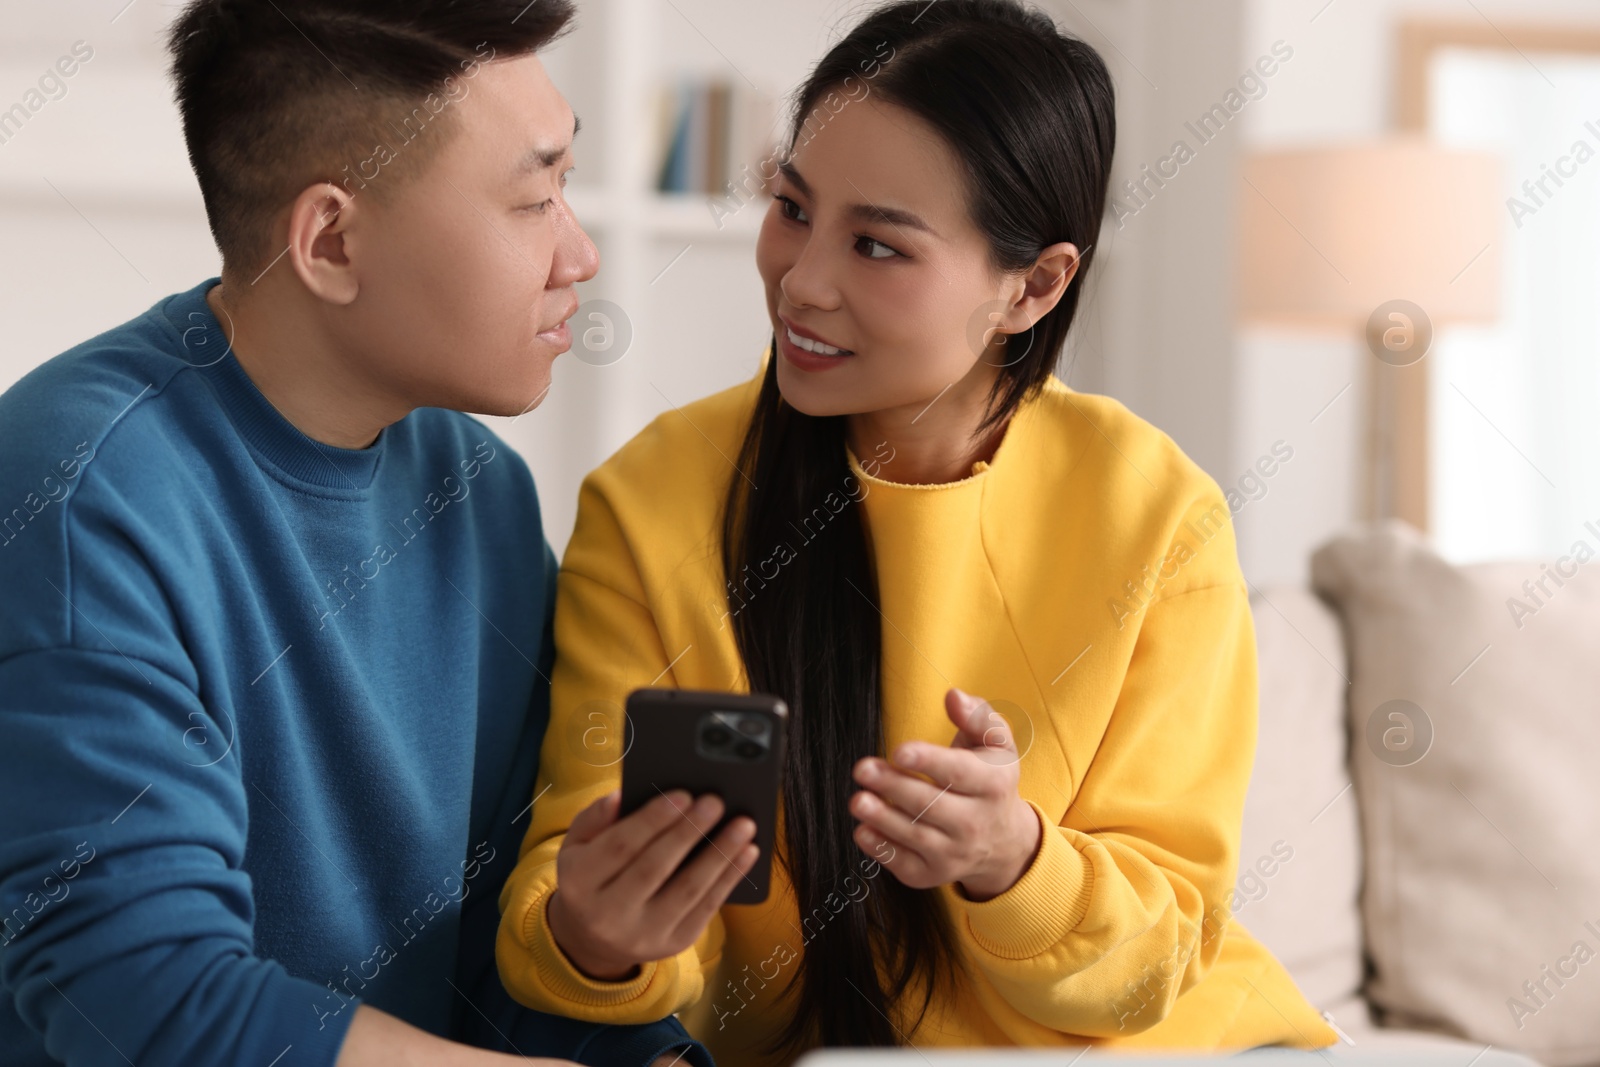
point(790, 209)
point(876, 248)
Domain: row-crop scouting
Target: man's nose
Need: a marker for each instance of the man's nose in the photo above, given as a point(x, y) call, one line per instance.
point(576, 259)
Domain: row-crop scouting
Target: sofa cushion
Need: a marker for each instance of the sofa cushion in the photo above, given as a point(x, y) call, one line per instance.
point(1475, 722)
point(1300, 855)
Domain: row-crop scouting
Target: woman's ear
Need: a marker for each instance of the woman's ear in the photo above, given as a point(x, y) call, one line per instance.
point(1027, 297)
point(1046, 281)
point(319, 247)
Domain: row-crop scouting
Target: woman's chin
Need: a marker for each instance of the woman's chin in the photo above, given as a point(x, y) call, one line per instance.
point(810, 397)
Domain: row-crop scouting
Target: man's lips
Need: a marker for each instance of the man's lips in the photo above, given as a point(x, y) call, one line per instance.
point(561, 321)
point(560, 333)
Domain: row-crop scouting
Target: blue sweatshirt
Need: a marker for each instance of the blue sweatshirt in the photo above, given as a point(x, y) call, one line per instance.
point(270, 715)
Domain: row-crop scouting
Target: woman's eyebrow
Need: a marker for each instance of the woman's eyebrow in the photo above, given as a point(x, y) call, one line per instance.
point(788, 170)
point(890, 216)
point(867, 212)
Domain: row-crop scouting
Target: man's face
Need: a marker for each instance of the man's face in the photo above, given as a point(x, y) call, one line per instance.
point(466, 269)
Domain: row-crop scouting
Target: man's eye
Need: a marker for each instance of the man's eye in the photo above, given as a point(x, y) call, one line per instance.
point(544, 205)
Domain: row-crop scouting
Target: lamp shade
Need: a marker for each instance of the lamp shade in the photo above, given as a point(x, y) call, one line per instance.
point(1328, 234)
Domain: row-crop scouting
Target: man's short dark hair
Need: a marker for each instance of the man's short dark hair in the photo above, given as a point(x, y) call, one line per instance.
point(277, 95)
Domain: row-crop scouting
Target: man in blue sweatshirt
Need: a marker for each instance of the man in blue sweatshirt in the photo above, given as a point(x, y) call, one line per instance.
point(275, 646)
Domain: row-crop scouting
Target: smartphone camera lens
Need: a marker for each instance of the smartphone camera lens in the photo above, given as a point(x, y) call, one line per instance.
point(734, 736)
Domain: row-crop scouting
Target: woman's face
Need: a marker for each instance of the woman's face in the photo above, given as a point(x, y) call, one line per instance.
point(869, 248)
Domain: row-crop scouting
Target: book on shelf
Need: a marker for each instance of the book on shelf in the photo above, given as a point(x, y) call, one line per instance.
point(713, 133)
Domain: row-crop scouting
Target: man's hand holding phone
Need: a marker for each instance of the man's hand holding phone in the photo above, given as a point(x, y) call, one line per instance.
point(621, 899)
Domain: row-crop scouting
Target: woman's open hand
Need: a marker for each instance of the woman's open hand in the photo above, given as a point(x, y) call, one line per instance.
point(950, 815)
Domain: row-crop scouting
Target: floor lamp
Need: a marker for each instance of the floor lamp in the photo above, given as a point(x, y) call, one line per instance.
point(1387, 240)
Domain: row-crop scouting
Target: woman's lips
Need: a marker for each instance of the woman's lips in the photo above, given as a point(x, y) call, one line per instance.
point(806, 360)
point(806, 350)
point(811, 340)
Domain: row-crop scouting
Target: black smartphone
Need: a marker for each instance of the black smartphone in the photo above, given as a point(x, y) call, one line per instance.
point(730, 744)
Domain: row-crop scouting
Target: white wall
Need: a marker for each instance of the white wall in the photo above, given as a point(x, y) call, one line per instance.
point(1168, 291)
point(1340, 85)
point(123, 225)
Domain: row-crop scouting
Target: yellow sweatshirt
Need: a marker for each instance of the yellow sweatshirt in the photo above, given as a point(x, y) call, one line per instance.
point(1085, 582)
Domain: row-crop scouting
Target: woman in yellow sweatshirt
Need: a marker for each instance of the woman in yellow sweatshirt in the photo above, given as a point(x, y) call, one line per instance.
point(902, 509)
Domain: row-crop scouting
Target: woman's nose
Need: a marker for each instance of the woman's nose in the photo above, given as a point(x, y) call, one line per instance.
point(809, 281)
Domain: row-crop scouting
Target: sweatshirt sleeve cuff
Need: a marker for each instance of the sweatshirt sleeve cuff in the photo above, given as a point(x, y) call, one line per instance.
point(641, 1046)
point(281, 1011)
point(1050, 898)
point(562, 980)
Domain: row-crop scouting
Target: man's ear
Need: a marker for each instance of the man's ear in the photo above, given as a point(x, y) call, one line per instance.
point(320, 223)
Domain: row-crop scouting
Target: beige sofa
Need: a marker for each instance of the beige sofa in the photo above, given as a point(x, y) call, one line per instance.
point(1421, 844)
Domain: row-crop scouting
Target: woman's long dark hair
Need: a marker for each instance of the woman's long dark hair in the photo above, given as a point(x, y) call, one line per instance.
point(1029, 112)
